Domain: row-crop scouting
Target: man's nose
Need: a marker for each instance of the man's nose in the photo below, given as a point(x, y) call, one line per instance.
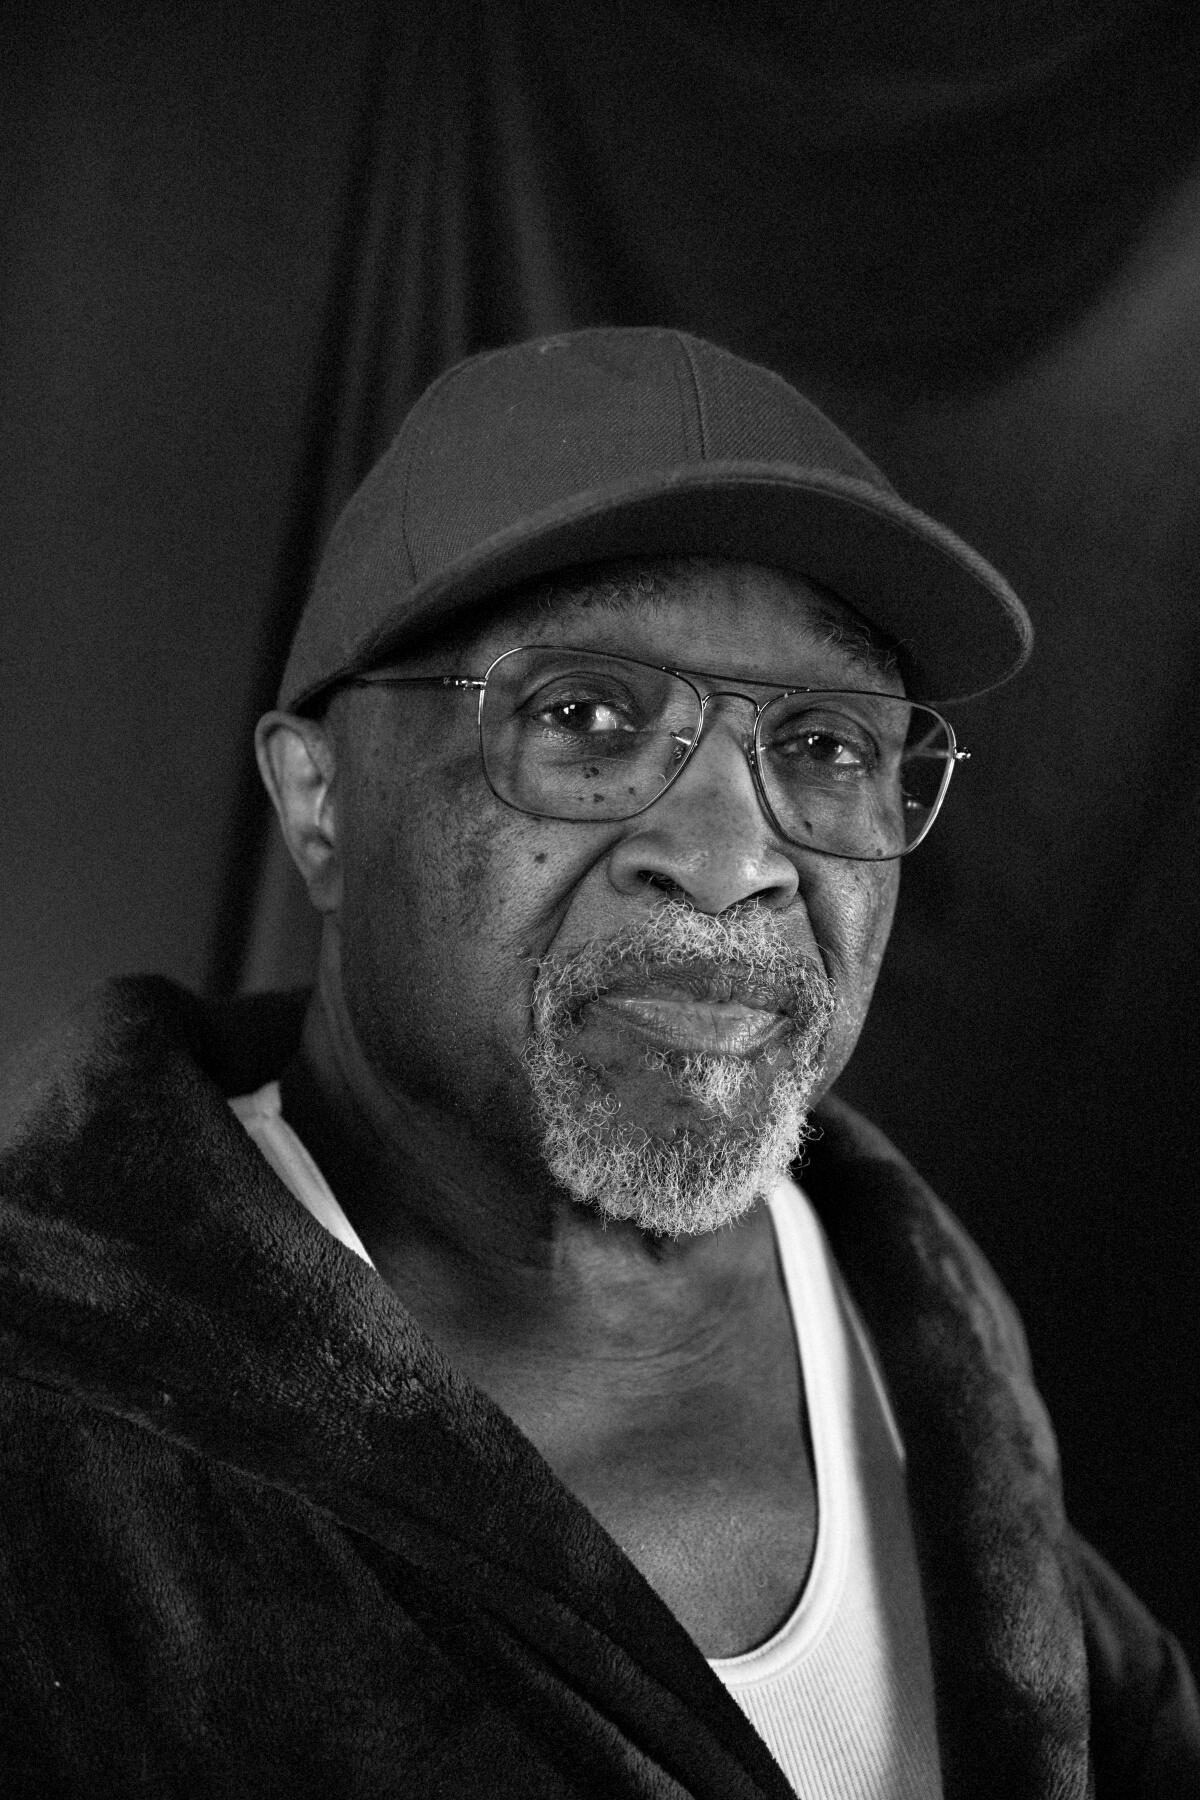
point(707, 839)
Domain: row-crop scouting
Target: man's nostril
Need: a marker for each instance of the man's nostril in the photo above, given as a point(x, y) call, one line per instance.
point(656, 879)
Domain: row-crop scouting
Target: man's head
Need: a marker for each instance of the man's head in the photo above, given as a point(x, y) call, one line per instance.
point(629, 970)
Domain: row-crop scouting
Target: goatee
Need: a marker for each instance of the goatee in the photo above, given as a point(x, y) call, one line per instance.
point(748, 1115)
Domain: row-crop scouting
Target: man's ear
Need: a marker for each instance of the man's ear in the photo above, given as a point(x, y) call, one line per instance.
point(296, 758)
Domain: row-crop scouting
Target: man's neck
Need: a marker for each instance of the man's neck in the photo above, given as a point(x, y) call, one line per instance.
point(491, 1258)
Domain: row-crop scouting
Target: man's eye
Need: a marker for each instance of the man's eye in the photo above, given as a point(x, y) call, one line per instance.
point(825, 749)
point(584, 718)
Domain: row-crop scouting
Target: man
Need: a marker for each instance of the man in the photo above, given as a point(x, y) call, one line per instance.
point(443, 1386)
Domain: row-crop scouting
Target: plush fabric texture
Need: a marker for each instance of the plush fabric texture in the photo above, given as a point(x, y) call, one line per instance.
point(259, 1537)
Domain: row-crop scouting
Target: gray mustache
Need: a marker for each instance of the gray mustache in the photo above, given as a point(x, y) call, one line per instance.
point(742, 958)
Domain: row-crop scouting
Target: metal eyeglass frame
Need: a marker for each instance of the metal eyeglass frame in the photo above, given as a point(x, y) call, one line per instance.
point(478, 683)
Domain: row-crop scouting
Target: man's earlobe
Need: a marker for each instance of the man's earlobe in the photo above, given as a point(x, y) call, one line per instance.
point(296, 759)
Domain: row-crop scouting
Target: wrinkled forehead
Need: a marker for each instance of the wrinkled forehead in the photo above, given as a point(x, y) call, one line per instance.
point(625, 604)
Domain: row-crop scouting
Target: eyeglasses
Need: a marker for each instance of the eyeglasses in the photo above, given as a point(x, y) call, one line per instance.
point(578, 734)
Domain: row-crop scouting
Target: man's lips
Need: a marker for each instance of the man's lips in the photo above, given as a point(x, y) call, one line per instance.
point(698, 982)
point(680, 1021)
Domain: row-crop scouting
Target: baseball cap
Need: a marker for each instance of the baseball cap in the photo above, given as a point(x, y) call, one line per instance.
point(523, 462)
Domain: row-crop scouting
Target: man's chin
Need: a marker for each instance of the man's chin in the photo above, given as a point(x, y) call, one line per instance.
point(679, 1142)
point(690, 1145)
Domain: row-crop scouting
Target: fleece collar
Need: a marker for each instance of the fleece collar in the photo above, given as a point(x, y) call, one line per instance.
point(153, 1265)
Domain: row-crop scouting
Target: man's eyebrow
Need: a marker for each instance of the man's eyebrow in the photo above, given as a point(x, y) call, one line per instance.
point(620, 589)
point(848, 632)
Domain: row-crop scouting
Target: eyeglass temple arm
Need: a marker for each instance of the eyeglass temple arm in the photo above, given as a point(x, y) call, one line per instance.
point(381, 678)
point(959, 753)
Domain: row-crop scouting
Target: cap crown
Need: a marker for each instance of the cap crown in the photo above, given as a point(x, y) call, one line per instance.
point(607, 442)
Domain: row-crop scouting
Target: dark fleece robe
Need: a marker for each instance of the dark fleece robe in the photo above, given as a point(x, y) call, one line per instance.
point(259, 1537)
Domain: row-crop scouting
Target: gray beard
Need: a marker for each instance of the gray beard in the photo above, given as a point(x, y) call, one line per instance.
point(751, 1113)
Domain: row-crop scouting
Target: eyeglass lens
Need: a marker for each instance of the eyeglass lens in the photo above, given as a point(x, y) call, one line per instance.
point(572, 734)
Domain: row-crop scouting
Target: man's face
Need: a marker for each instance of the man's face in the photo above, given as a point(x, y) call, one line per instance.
point(646, 1007)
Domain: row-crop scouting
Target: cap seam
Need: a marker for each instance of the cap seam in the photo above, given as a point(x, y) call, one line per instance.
point(696, 392)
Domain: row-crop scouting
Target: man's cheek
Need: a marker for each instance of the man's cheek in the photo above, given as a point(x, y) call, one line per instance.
point(868, 906)
point(853, 934)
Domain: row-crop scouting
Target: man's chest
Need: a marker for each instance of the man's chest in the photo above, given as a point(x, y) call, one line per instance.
point(726, 1544)
point(707, 1486)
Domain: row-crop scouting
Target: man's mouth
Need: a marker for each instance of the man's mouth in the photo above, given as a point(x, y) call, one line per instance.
point(697, 1010)
point(671, 1018)
point(704, 983)
point(683, 985)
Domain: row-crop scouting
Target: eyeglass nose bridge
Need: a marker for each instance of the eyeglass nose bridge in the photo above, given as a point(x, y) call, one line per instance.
point(706, 695)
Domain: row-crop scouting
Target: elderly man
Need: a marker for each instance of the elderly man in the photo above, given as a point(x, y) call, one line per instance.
point(445, 1386)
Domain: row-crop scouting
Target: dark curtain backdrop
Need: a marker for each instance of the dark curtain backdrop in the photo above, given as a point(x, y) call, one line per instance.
point(237, 241)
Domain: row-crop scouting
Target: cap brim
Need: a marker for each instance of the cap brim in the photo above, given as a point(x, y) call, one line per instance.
point(959, 627)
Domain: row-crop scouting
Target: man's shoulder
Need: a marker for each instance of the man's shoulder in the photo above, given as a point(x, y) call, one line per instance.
point(134, 1031)
point(865, 1190)
point(1145, 1710)
point(117, 1148)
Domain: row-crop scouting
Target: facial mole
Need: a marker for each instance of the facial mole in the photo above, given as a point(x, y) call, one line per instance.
point(539, 856)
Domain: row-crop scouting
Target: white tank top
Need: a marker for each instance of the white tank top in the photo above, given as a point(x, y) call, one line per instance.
point(842, 1694)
